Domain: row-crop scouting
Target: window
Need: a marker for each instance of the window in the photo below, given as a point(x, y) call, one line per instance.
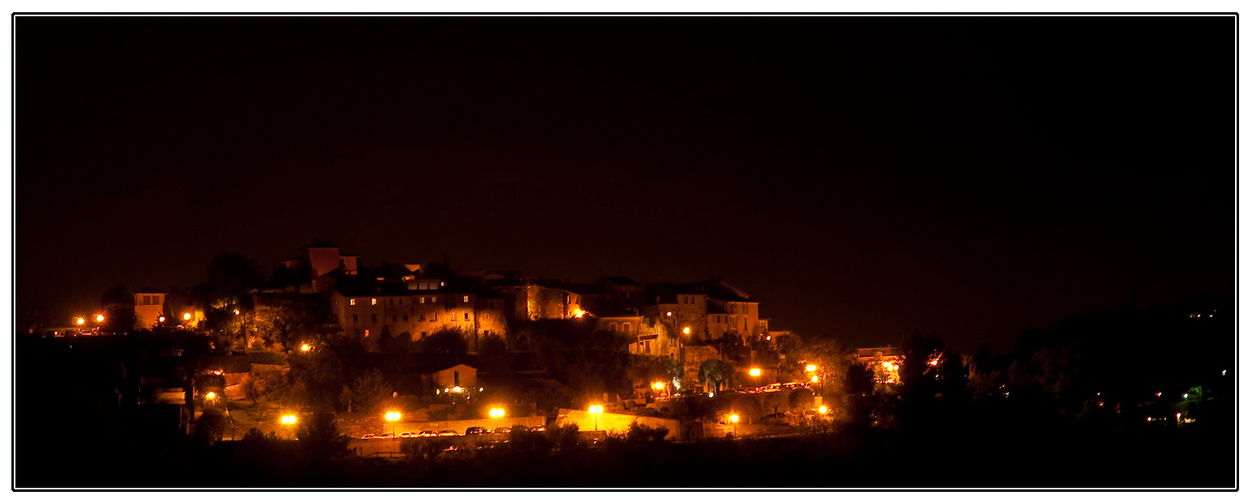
point(747, 308)
point(404, 317)
point(612, 326)
point(374, 318)
point(433, 299)
point(433, 317)
point(147, 300)
point(391, 301)
point(352, 301)
point(647, 344)
point(465, 316)
point(628, 327)
point(355, 318)
point(465, 299)
point(422, 300)
point(374, 301)
point(155, 300)
point(452, 317)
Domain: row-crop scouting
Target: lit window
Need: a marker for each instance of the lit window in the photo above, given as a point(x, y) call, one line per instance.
point(374, 301)
point(433, 299)
point(365, 333)
point(465, 299)
point(422, 300)
point(352, 301)
point(433, 317)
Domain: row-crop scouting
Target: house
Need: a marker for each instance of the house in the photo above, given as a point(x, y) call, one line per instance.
point(149, 307)
point(451, 377)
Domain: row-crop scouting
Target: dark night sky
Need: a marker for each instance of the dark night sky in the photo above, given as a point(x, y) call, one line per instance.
point(861, 177)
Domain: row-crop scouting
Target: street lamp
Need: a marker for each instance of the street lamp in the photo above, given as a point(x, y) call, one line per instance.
point(393, 416)
point(755, 372)
point(211, 396)
point(497, 413)
point(289, 420)
point(80, 321)
point(305, 347)
point(596, 410)
point(823, 410)
point(734, 418)
point(99, 318)
point(811, 368)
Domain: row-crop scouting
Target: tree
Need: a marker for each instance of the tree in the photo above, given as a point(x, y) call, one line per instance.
point(33, 318)
point(445, 346)
point(251, 388)
point(118, 306)
point(493, 355)
point(714, 372)
point(369, 390)
point(319, 438)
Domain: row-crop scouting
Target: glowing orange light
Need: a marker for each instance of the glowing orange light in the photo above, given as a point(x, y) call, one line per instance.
point(457, 389)
point(579, 313)
point(305, 347)
point(658, 386)
point(289, 419)
point(687, 330)
point(823, 410)
point(734, 418)
point(496, 412)
point(754, 372)
point(811, 368)
point(814, 379)
point(80, 320)
point(161, 319)
point(669, 314)
point(210, 396)
point(99, 318)
point(236, 312)
point(392, 416)
point(595, 409)
point(186, 317)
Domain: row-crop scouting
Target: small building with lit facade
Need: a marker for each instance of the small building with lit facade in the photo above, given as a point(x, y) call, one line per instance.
point(149, 307)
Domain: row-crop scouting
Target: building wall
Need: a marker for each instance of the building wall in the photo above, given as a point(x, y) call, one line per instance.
point(418, 316)
point(322, 260)
point(446, 378)
point(148, 307)
point(689, 310)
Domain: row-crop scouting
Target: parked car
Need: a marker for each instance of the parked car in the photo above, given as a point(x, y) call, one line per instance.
point(368, 436)
point(519, 428)
point(502, 430)
point(475, 430)
point(448, 433)
point(540, 428)
point(407, 434)
point(427, 434)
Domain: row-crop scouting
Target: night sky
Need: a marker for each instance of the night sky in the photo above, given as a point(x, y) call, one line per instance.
point(860, 177)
